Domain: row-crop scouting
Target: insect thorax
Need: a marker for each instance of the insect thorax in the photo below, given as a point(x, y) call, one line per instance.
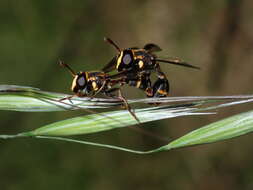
point(135, 59)
point(96, 80)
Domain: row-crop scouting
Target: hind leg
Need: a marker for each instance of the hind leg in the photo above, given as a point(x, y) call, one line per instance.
point(122, 98)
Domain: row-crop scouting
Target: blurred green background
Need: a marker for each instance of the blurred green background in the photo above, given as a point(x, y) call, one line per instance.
point(215, 35)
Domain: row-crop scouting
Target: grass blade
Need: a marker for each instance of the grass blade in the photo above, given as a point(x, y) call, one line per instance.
point(228, 128)
point(19, 98)
point(109, 120)
point(28, 99)
point(221, 130)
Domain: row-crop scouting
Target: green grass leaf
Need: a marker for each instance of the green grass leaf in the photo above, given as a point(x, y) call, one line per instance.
point(221, 130)
point(228, 128)
point(29, 99)
point(110, 120)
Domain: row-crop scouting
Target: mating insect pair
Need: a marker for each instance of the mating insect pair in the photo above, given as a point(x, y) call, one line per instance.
point(134, 67)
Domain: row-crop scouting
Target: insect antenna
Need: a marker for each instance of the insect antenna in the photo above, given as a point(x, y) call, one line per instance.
point(72, 72)
point(177, 62)
point(112, 43)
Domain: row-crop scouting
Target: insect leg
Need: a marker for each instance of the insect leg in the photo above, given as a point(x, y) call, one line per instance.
point(161, 86)
point(68, 98)
point(110, 91)
point(99, 90)
point(146, 84)
point(159, 72)
point(127, 106)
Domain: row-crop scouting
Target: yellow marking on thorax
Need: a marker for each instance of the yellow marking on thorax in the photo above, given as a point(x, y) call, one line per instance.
point(119, 59)
point(141, 64)
point(74, 83)
point(92, 78)
point(87, 75)
point(137, 56)
point(94, 85)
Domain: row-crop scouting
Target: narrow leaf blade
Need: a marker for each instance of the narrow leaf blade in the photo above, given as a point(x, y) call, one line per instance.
point(109, 120)
point(221, 130)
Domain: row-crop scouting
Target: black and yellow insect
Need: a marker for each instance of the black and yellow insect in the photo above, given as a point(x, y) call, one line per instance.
point(89, 84)
point(139, 59)
point(140, 62)
point(93, 82)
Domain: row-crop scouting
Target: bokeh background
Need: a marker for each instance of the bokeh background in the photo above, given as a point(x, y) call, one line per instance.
point(215, 35)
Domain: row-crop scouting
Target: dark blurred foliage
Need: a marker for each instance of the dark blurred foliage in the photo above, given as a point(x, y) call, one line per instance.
point(215, 35)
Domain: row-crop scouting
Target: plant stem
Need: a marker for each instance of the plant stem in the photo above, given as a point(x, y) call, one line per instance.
point(97, 144)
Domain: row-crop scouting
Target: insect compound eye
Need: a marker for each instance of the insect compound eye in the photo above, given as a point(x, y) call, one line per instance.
point(81, 81)
point(127, 59)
